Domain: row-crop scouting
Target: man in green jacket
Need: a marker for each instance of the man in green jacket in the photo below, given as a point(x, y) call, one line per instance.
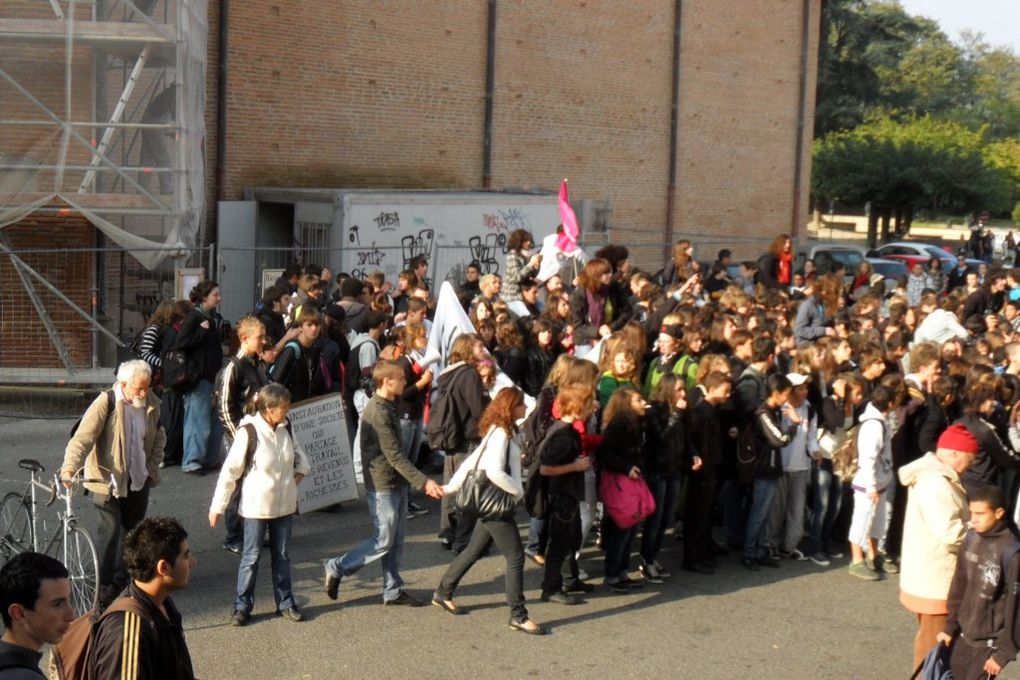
point(388, 476)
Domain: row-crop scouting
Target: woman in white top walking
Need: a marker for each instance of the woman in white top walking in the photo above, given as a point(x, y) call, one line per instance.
point(269, 478)
point(499, 455)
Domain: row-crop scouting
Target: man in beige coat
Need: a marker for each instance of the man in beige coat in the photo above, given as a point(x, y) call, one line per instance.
point(933, 530)
point(120, 440)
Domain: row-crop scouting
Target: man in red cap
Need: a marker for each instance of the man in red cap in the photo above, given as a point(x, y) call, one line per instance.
point(935, 524)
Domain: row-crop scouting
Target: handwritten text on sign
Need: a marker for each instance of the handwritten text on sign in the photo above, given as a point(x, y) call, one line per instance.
point(321, 430)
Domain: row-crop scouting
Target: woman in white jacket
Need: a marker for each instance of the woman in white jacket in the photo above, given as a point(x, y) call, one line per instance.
point(269, 477)
point(873, 478)
point(499, 455)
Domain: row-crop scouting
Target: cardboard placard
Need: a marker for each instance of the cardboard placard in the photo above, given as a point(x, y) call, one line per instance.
point(320, 428)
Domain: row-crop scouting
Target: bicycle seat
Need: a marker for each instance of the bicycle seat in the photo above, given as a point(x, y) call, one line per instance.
point(30, 464)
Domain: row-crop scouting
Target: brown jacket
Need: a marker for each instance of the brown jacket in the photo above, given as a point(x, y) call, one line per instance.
point(99, 443)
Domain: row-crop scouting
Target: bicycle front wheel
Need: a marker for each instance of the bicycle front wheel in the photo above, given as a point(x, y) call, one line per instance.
point(16, 526)
point(78, 552)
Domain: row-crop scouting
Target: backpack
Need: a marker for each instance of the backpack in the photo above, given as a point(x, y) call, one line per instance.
point(687, 369)
point(534, 427)
point(935, 665)
point(324, 374)
point(845, 459)
point(443, 429)
point(536, 488)
point(111, 404)
point(249, 459)
point(74, 656)
point(354, 380)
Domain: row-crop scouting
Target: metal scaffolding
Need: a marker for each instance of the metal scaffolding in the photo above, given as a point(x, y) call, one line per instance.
point(102, 115)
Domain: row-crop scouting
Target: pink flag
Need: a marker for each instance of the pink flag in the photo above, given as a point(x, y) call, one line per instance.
point(567, 240)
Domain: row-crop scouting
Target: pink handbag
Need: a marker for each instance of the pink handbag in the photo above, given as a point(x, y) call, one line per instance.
point(628, 501)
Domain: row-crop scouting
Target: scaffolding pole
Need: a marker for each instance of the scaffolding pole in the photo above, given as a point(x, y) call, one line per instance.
point(118, 111)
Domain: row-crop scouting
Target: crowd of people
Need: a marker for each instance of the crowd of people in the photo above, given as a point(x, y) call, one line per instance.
point(779, 415)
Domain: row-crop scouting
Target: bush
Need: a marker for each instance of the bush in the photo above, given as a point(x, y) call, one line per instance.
point(1016, 214)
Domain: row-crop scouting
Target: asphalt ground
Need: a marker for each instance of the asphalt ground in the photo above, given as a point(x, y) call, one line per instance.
point(799, 621)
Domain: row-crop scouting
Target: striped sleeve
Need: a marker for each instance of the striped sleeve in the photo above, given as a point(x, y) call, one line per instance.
point(122, 648)
point(149, 345)
point(226, 390)
point(132, 639)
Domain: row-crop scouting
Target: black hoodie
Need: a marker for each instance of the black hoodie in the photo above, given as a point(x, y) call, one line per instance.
point(982, 600)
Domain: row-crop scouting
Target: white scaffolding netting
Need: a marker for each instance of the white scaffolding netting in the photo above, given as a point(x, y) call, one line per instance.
point(102, 109)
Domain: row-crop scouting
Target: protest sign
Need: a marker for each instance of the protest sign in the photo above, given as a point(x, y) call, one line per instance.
point(320, 429)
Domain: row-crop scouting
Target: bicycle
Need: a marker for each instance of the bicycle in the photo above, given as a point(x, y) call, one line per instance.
point(70, 543)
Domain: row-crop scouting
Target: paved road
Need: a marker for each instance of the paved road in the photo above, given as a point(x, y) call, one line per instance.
point(800, 621)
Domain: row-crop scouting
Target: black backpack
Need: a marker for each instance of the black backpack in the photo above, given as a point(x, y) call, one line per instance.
point(111, 403)
point(535, 426)
point(443, 430)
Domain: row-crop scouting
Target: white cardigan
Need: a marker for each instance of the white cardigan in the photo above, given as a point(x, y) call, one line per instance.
point(269, 490)
point(494, 457)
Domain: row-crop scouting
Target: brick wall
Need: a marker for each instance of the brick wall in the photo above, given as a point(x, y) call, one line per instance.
point(24, 341)
point(385, 95)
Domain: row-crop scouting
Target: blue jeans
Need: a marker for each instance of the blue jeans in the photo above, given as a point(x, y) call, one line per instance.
point(827, 499)
point(410, 438)
point(201, 430)
point(536, 537)
point(279, 541)
point(762, 493)
point(389, 515)
point(665, 490)
point(616, 544)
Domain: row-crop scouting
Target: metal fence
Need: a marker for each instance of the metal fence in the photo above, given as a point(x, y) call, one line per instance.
point(66, 312)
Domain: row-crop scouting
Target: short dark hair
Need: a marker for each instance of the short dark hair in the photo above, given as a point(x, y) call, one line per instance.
point(762, 349)
point(417, 261)
point(351, 287)
point(777, 382)
point(154, 539)
point(314, 269)
point(293, 269)
point(20, 580)
point(882, 397)
point(272, 295)
point(375, 318)
point(988, 493)
point(528, 284)
point(473, 264)
point(723, 254)
point(749, 265)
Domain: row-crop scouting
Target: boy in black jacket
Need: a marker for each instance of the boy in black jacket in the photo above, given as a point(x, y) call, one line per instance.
point(983, 612)
point(770, 438)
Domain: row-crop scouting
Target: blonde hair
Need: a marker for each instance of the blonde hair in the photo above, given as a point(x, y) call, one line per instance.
point(249, 326)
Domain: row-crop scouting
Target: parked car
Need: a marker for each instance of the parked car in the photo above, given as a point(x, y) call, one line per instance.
point(912, 252)
point(890, 269)
point(826, 257)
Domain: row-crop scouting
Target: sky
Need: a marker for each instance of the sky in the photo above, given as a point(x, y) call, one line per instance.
point(999, 20)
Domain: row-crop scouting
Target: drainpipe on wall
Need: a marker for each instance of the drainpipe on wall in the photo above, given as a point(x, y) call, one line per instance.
point(490, 85)
point(798, 161)
point(221, 112)
point(674, 123)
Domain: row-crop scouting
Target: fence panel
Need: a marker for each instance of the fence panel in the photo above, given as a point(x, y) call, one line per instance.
point(44, 339)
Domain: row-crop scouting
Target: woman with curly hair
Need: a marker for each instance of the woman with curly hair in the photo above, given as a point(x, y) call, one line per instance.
point(499, 456)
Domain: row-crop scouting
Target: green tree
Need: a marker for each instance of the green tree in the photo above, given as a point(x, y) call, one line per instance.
point(899, 167)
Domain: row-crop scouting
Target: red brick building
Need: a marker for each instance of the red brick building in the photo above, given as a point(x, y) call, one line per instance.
point(393, 95)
